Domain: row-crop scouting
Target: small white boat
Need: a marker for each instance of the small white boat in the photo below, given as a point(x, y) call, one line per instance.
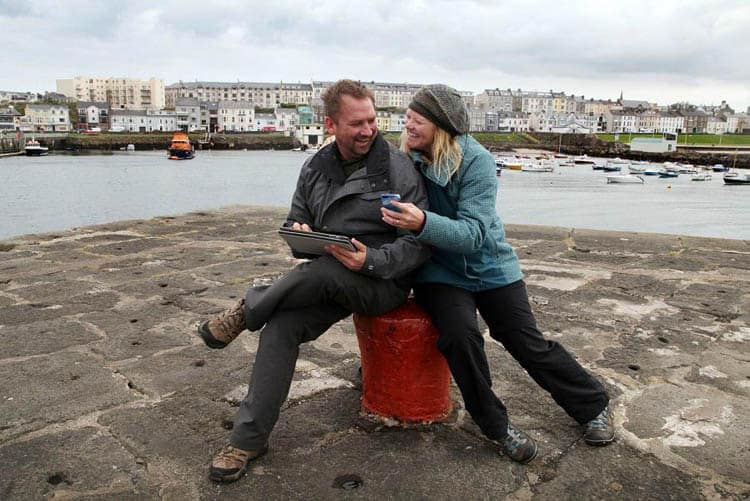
point(638, 167)
point(625, 179)
point(734, 177)
point(687, 169)
point(651, 171)
point(583, 160)
point(615, 164)
point(34, 149)
point(540, 167)
point(701, 176)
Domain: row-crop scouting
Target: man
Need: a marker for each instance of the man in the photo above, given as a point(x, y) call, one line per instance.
point(338, 191)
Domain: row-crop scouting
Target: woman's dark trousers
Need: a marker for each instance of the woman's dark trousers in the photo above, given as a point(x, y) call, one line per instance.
point(507, 313)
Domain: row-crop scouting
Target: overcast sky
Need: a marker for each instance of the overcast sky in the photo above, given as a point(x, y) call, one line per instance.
point(661, 51)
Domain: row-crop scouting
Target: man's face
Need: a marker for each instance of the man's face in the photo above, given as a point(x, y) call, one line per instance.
point(355, 127)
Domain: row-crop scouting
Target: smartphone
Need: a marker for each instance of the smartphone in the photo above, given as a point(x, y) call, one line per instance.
point(387, 198)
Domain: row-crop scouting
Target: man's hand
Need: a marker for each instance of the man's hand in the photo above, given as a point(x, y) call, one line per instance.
point(353, 260)
point(301, 227)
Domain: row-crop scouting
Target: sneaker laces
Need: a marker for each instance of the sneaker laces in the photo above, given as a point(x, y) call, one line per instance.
point(234, 316)
point(600, 422)
point(515, 438)
point(231, 455)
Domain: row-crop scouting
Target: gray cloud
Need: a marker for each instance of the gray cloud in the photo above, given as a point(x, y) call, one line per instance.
point(671, 50)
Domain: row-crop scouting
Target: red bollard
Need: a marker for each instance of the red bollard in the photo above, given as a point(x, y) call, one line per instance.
point(404, 376)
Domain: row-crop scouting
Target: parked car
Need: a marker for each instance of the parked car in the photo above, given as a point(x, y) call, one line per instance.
point(117, 128)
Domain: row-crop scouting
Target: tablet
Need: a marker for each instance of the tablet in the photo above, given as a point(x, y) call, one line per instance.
point(313, 242)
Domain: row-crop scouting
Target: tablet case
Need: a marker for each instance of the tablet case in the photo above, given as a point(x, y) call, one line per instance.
point(313, 242)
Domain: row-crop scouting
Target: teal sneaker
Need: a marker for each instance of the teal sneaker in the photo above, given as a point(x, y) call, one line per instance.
point(601, 429)
point(518, 446)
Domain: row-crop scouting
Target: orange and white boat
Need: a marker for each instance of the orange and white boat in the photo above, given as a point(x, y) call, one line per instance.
point(180, 147)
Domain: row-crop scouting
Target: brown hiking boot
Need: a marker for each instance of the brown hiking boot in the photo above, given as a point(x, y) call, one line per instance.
point(221, 330)
point(230, 463)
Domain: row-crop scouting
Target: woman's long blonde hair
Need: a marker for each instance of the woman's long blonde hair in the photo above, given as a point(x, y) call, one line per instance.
point(444, 156)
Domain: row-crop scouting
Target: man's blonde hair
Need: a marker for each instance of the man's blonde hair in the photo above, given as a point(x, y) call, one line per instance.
point(445, 153)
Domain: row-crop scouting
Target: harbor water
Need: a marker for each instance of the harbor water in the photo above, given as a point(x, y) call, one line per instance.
point(60, 191)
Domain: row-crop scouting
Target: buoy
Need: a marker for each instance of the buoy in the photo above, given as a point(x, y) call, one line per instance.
point(404, 376)
point(669, 186)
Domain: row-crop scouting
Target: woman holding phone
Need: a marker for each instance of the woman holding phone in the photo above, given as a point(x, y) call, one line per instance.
point(473, 267)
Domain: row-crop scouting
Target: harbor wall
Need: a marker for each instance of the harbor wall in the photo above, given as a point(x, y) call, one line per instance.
point(570, 144)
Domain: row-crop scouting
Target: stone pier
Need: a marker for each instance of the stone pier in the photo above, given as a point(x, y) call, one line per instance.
point(107, 393)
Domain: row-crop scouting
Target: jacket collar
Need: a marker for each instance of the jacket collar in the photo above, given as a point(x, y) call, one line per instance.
point(425, 167)
point(328, 162)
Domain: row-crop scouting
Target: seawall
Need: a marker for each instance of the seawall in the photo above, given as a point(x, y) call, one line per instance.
point(107, 392)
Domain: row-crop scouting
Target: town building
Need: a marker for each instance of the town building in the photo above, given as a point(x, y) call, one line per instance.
point(495, 100)
point(671, 122)
point(10, 119)
point(120, 93)
point(93, 114)
point(266, 122)
point(260, 94)
point(144, 120)
point(46, 118)
point(188, 111)
point(17, 97)
point(310, 134)
point(696, 121)
point(287, 119)
point(236, 116)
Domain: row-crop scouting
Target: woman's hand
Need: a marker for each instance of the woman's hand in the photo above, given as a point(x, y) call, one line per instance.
point(410, 216)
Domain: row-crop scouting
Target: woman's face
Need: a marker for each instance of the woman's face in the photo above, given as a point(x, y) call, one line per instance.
point(420, 132)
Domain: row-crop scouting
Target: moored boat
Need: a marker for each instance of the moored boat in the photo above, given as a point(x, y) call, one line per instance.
point(34, 149)
point(625, 179)
point(615, 165)
point(701, 176)
point(583, 160)
point(719, 168)
point(638, 167)
point(180, 147)
point(538, 167)
point(734, 177)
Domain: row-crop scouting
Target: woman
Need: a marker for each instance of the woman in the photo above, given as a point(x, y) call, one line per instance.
point(473, 267)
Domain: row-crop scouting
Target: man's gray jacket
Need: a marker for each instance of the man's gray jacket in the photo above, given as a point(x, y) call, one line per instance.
point(328, 201)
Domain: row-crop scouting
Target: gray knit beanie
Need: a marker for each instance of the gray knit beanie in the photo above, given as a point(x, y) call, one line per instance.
point(443, 106)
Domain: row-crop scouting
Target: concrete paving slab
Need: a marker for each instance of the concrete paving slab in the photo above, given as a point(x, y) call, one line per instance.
point(100, 355)
point(85, 463)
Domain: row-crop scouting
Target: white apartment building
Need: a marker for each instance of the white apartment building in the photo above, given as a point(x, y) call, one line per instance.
point(716, 125)
point(144, 120)
point(512, 122)
point(47, 118)
point(188, 111)
point(261, 94)
point(622, 121)
point(120, 93)
point(671, 122)
point(236, 116)
point(93, 114)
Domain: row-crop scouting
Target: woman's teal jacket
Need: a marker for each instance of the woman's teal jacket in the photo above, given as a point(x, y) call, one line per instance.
point(462, 225)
